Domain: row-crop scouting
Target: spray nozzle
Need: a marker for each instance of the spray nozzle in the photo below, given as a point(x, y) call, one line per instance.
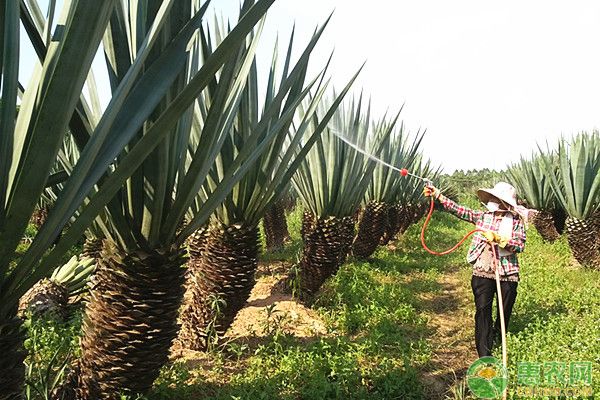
point(404, 172)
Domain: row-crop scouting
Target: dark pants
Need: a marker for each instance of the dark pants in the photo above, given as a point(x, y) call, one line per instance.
point(484, 291)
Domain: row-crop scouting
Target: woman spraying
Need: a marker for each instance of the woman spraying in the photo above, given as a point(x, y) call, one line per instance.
point(503, 228)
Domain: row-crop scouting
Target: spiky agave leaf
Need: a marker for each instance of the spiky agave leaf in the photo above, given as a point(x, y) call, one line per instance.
point(68, 156)
point(75, 274)
point(401, 150)
point(29, 142)
point(577, 185)
point(411, 205)
point(51, 295)
point(231, 247)
point(577, 189)
point(331, 182)
point(155, 182)
point(375, 225)
point(532, 182)
point(48, 108)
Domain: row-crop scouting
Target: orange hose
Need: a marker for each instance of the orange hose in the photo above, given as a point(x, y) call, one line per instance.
point(498, 288)
point(443, 253)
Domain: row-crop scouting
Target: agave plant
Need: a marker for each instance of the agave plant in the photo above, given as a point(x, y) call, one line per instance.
point(275, 220)
point(155, 83)
point(383, 190)
point(40, 214)
point(331, 183)
point(433, 173)
point(533, 183)
point(141, 265)
point(275, 227)
point(67, 158)
point(410, 205)
point(577, 189)
point(51, 295)
point(29, 143)
point(224, 256)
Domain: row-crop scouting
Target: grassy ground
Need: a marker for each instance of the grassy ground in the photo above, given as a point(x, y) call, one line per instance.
point(396, 327)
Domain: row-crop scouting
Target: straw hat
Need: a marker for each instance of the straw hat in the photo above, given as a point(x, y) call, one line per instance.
point(502, 191)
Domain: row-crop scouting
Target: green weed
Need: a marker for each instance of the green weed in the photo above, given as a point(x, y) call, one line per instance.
point(378, 334)
point(51, 346)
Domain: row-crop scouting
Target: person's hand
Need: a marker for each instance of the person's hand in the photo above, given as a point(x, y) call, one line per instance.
point(491, 236)
point(503, 241)
point(430, 190)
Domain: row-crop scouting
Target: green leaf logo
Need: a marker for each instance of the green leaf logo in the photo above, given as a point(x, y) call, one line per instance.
point(487, 378)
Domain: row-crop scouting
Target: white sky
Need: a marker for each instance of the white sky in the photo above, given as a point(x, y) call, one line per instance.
point(487, 79)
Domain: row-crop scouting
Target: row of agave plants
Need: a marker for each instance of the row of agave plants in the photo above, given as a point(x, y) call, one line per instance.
point(563, 185)
point(331, 181)
point(352, 204)
point(223, 255)
point(193, 150)
point(185, 149)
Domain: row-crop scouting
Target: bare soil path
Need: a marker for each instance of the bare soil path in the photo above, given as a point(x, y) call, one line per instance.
point(450, 314)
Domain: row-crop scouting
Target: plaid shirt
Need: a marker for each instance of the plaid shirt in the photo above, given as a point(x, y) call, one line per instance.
point(486, 220)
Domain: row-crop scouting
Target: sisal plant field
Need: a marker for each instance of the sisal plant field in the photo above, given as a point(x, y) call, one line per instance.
point(222, 232)
point(396, 326)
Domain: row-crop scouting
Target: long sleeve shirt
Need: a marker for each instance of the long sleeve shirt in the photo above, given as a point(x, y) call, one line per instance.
point(486, 220)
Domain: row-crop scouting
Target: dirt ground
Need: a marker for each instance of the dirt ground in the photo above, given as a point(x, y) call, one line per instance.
point(452, 342)
point(271, 308)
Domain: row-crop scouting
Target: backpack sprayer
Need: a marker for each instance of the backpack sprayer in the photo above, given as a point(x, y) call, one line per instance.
point(428, 183)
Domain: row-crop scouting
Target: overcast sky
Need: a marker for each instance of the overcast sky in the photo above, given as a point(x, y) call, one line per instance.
point(488, 80)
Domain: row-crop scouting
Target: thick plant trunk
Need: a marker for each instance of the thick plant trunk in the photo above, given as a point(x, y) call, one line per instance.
point(220, 279)
point(189, 318)
point(39, 216)
point(275, 226)
point(391, 224)
point(46, 297)
point(405, 218)
point(92, 248)
point(288, 202)
point(596, 223)
point(419, 211)
point(12, 355)
point(371, 229)
point(582, 237)
point(544, 223)
point(560, 218)
point(129, 325)
point(307, 223)
point(327, 242)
